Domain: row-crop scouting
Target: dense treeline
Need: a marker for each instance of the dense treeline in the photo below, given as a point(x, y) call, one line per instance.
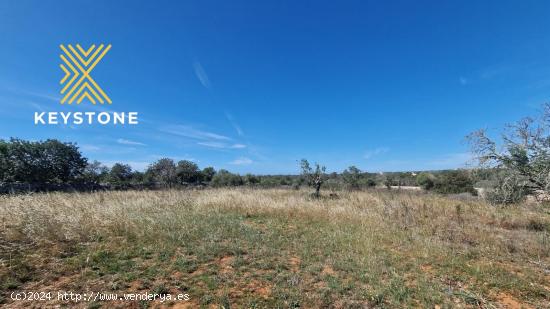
point(45, 162)
point(54, 165)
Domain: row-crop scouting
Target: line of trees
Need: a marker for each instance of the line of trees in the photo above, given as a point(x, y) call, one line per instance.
point(52, 164)
point(164, 172)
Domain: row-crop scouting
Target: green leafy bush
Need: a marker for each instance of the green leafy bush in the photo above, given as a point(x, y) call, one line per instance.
point(226, 179)
point(426, 181)
point(454, 182)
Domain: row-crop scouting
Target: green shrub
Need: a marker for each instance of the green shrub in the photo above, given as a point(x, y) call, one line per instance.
point(509, 189)
point(208, 173)
point(426, 181)
point(352, 177)
point(369, 183)
point(454, 182)
point(226, 179)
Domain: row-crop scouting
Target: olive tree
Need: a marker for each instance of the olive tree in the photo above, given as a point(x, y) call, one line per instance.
point(120, 174)
point(188, 172)
point(163, 171)
point(521, 157)
point(352, 177)
point(315, 177)
point(95, 172)
point(208, 173)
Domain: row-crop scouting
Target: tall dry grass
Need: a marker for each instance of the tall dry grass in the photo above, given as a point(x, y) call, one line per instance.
point(375, 248)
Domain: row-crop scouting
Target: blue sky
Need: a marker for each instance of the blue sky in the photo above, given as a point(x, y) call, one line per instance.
point(254, 86)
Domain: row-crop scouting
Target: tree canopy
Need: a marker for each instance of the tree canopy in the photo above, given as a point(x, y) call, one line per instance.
point(521, 157)
point(49, 161)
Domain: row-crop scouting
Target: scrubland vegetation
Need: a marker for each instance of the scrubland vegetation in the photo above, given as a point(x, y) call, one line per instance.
point(51, 165)
point(258, 248)
point(352, 239)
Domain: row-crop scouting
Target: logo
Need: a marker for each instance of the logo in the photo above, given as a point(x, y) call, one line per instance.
point(78, 84)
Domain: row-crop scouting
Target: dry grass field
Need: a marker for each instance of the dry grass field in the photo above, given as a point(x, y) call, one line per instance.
point(245, 248)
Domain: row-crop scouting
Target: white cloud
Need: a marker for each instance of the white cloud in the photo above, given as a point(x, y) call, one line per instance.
point(221, 145)
point(234, 124)
point(241, 161)
point(201, 75)
point(50, 97)
point(190, 132)
point(37, 106)
point(213, 144)
point(129, 142)
point(378, 151)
